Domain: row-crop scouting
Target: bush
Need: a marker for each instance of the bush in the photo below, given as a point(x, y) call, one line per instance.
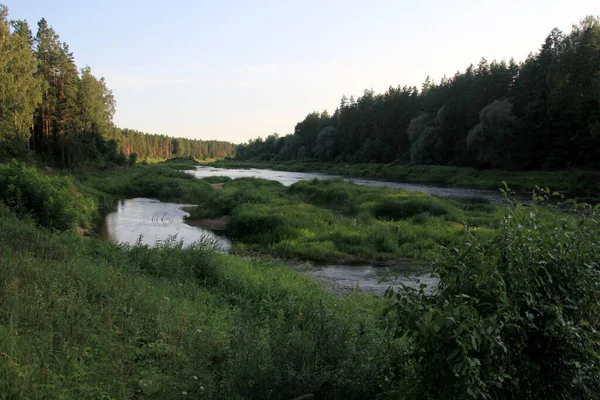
point(514, 317)
point(133, 158)
point(48, 200)
point(216, 179)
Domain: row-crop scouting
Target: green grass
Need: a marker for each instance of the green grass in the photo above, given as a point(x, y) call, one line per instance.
point(81, 318)
point(337, 221)
point(573, 182)
point(163, 181)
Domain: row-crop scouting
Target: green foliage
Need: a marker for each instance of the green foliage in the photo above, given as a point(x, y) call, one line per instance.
point(162, 181)
point(336, 221)
point(216, 179)
point(514, 316)
point(133, 158)
point(403, 209)
point(237, 193)
point(51, 201)
point(81, 318)
point(491, 139)
point(467, 119)
point(570, 181)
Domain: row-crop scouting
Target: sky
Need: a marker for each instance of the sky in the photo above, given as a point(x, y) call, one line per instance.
point(235, 70)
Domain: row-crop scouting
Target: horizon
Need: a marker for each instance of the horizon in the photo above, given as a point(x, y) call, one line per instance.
point(261, 69)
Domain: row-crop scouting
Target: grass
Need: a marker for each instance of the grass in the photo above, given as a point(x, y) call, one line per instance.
point(81, 318)
point(584, 184)
point(337, 221)
point(163, 181)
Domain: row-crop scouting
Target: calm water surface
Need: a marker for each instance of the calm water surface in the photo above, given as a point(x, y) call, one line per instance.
point(153, 221)
point(366, 277)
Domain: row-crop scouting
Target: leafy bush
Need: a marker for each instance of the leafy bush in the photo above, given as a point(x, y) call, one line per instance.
point(514, 317)
point(216, 179)
point(48, 200)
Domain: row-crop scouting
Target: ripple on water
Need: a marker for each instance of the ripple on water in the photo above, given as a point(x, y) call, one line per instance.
point(153, 221)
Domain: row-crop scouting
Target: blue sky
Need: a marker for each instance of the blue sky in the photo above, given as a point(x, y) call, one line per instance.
point(234, 70)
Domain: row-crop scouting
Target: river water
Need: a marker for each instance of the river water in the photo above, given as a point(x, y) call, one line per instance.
point(289, 178)
point(149, 221)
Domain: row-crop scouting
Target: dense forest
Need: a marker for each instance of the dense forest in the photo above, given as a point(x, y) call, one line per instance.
point(540, 113)
point(65, 114)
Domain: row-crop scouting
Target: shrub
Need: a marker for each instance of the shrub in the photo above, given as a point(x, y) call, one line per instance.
point(48, 200)
point(515, 316)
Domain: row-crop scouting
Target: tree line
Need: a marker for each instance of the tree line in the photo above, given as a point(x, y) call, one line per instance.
point(64, 114)
point(543, 112)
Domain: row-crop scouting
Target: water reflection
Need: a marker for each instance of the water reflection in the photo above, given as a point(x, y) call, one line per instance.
point(366, 277)
point(289, 178)
point(153, 221)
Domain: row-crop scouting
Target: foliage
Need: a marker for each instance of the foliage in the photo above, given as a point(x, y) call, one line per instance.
point(81, 318)
point(491, 139)
point(51, 201)
point(337, 221)
point(514, 316)
point(163, 181)
point(63, 114)
point(570, 181)
point(467, 119)
point(406, 208)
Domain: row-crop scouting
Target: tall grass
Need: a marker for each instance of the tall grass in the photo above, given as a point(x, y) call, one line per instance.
point(338, 221)
point(163, 181)
point(81, 318)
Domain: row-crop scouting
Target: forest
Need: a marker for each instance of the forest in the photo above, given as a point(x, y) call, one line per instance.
point(542, 113)
point(64, 114)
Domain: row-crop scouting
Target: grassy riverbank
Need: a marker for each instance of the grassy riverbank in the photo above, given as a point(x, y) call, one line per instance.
point(515, 315)
point(339, 222)
point(83, 318)
point(579, 183)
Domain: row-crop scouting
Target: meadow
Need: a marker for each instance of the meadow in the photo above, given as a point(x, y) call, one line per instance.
point(333, 221)
point(576, 183)
point(515, 314)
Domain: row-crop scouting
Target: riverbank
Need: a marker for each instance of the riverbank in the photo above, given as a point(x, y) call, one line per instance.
point(85, 318)
point(331, 221)
point(583, 184)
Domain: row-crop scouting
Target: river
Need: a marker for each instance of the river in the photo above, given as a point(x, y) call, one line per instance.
point(289, 178)
point(150, 222)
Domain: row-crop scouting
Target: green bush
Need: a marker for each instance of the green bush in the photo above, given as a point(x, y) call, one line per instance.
point(515, 315)
point(49, 201)
point(216, 179)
